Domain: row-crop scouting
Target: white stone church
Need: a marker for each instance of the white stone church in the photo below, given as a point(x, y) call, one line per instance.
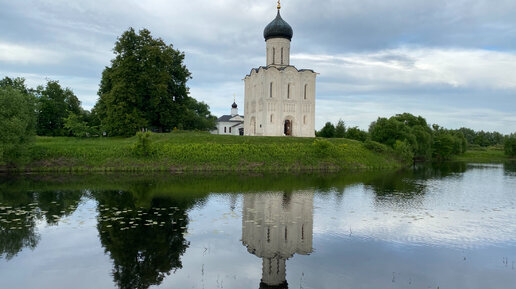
point(279, 98)
point(231, 124)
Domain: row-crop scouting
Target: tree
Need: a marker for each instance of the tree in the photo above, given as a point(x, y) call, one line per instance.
point(55, 104)
point(17, 123)
point(17, 84)
point(340, 129)
point(76, 126)
point(510, 145)
point(356, 134)
point(145, 87)
point(327, 131)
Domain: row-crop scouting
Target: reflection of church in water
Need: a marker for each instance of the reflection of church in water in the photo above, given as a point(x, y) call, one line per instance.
point(275, 226)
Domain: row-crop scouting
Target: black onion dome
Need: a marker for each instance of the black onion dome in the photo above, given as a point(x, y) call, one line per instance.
point(234, 105)
point(278, 28)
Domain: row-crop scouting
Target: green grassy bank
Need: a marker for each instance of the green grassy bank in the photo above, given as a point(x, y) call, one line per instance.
point(196, 151)
point(484, 155)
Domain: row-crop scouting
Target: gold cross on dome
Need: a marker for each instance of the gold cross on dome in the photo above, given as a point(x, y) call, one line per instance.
point(279, 5)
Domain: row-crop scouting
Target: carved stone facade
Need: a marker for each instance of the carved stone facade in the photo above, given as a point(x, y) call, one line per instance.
point(279, 99)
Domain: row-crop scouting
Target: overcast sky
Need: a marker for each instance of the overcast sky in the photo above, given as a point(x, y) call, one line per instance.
point(450, 61)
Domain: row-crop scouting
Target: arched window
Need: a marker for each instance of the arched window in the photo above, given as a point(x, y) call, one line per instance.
point(224, 129)
point(229, 130)
point(271, 118)
point(270, 90)
point(306, 85)
point(282, 55)
point(288, 91)
point(273, 55)
point(304, 119)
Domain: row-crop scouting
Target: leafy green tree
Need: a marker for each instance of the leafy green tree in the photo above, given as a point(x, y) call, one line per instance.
point(17, 84)
point(197, 116)
point(328, 131)
point(510, 145)
point(55, 104)
point(75, 125)
point(356, 134)
point(387, 131)
point(443, 146)
point(447, 143)
point(340, 129)
point(469, 134)
point(17, 125)
point(145, 87)
point(404, 150)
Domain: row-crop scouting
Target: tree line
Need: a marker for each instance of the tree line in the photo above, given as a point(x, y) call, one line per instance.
point(143, 88)
point(413, 138)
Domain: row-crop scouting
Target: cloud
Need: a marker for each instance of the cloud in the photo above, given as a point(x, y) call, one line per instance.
point(418, 67)
point(374, 58)
point(25, 55)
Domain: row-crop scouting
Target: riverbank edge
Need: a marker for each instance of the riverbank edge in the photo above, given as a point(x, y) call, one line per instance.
point(194, 152)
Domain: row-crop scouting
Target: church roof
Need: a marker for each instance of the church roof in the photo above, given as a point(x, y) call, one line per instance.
point(278, 28)
point(280, 68)
point(229, 118)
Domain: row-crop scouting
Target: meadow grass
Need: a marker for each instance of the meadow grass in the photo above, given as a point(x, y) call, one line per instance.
point(483, 155)
point(199, 151)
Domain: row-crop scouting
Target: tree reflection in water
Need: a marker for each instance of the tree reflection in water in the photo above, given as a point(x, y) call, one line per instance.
point(19, 212)
point(145, 243)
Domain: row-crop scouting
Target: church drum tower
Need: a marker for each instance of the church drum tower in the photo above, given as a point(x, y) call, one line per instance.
point(279, 99)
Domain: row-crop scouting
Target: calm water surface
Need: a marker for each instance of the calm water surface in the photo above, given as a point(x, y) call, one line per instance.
point(451, 226)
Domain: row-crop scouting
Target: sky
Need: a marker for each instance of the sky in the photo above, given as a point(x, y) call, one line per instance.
point(452, 62)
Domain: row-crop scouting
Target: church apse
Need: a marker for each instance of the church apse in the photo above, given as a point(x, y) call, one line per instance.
point(275, 226)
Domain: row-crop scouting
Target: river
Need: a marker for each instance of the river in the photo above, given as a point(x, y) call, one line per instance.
point(432, 226)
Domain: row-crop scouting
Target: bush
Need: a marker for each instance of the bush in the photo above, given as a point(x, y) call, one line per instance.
point(17, 125)
point(356, 134)
point(404, 151)
point(323, 148)
point(143, 146)
point(375, 146)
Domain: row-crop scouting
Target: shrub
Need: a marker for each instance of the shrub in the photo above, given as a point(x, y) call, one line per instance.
point(143, 146)
point(404, 151)
point(375, 146)
point(323, 148)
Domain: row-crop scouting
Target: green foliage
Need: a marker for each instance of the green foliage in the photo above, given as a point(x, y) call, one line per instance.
point(143, 146)
point(410, 136)
point(75, 125)
point(375, 146)
point(328, 131)
point(403, 150)
point(323, 148)
point(482, 138)
point(145, 87)
point(197, 116)
point(447, 143)
point(340, 129)
point(356, 134)
point(510, 145)
point(55, 104)
point(17, 84)
point(17, 125)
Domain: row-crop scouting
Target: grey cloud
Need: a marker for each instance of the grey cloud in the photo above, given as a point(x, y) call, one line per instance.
point(223, 40)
